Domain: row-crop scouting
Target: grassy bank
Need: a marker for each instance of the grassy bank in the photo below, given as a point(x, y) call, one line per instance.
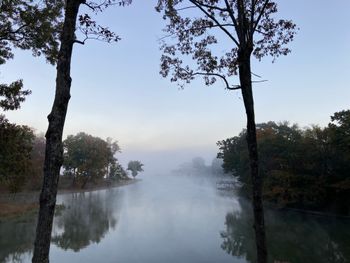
point(19, 204)
point(9, 210)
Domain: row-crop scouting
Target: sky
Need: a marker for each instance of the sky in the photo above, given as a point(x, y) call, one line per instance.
point(117, 90)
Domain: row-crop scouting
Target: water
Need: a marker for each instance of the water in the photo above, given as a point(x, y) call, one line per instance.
point(173, 219)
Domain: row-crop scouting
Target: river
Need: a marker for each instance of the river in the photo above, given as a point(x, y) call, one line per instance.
point(165, 219)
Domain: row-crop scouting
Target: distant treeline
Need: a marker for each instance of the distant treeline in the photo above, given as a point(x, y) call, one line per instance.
point(86, 159)
point(197, 167)
point(303, 168)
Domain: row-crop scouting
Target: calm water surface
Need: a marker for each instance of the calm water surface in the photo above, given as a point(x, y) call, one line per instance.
point(165, 219)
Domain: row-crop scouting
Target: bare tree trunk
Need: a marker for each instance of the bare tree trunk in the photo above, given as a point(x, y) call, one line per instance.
point(247, 93)
point(54, 149)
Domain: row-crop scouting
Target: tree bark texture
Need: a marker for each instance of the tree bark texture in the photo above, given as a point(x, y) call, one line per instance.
point(54, 147)
point(247, 93)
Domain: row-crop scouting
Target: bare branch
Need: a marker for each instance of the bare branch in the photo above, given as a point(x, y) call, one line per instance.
point(79, 42)
point(235, 87)
point(256, 75)
point(259, 81)
point(184, 8)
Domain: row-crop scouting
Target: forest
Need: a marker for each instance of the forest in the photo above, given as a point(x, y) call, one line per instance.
point(87, 159)
point(305, 168)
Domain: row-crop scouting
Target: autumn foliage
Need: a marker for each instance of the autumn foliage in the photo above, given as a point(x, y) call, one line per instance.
point(302, 168)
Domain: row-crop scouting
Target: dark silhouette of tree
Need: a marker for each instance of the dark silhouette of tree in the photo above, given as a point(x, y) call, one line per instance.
point(15, 152)
point(12, 95)
point(54, 148)
point(135, 167)
point(251, 28)
point(28, 25)
point(339, 136)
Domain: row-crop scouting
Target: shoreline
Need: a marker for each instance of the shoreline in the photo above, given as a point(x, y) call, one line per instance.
point(231, 186)
point(22, 203)
point(97, 187)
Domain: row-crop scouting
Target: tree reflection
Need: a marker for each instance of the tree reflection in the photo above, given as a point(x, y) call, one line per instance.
point(238, 238)
point(86, 219)
point(17, 237)
point(292, 237)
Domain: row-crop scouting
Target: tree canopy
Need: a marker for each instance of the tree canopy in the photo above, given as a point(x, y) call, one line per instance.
point(198, 31)
point(135, 167)
point(87, 157)
point(302, 168)
point(29, 25)
point(32, 25)
point(15, 154)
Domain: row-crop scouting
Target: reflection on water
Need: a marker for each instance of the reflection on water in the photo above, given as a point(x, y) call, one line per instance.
point(86, 219)
point(173, 219)
point(292, 237)
point(16, 238)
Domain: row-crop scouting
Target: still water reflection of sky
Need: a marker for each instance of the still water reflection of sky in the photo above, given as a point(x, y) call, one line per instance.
point(173, 219)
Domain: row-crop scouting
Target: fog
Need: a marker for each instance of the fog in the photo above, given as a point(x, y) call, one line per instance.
point(165, 161)
point(174, 219)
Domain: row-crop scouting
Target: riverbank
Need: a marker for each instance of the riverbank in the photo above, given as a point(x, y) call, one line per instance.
point(19, 204)
point(233, 187)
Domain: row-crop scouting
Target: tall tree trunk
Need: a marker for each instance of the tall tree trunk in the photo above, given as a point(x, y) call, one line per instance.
point(247, 93)
point(54, 149)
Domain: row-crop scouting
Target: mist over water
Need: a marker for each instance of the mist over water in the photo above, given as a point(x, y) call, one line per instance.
point(181, 217)
point(165, 161)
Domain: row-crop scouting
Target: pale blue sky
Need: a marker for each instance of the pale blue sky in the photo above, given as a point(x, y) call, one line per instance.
point(117, 91)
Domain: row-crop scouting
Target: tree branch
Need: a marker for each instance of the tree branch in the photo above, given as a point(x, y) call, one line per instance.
point(197, 28)
point(256, 75)
point(234, 20)
point(7, 35)
point(93, 8)
point(212, 7)
point(215, 20)
point(240, 21)
point(79, 42)
point(235, 87)
point(259, 18)
point(252, 18)
point(100, 7)
point(184, 8)
point(259, 81)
